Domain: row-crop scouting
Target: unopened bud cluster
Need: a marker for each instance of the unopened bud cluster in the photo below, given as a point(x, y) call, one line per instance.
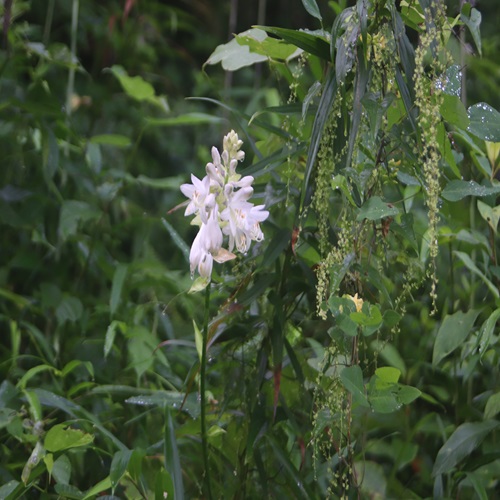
point(220, 204)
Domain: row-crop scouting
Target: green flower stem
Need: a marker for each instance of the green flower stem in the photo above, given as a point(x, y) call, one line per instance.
point(202, 391)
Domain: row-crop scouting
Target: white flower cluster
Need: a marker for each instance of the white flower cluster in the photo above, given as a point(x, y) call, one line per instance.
point(220, 204)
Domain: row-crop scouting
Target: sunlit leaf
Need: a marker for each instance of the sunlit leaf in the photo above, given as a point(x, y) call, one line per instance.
point(61, 437)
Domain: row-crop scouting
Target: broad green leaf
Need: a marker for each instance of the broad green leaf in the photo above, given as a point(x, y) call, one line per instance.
point(312, 8)
point(352, 379)
point(388, 374)
point(234, 56)
point(374, 209)
point(171, 454)
point(473, 268)
point(311, 43)
point(384, 401)
point(489, 214)
point(407, 394)
point(472, 19)
point(117, 286)
point(484, 122)
point(270, 47)
point(464, 440)
point(456, 190)
point(492, 408)
point(452, 333)
point(61, 470)
point(119, 141)
point(453, 111)
point(61, 437)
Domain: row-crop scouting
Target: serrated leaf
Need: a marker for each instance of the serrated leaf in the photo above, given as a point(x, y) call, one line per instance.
point(464, 440)
point(452, 333)
point(61, 437)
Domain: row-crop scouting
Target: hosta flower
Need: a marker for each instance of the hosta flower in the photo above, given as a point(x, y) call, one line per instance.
point(196, 192)
point(220, 204)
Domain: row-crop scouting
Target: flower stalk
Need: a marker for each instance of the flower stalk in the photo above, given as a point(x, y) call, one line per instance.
point(203, 371)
